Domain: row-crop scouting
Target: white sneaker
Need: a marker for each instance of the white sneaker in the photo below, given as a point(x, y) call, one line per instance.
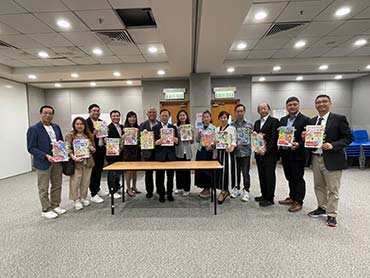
point(59, 210)
point(97, 199)
point(49, 214)
point(186, 193)
point(116, 195)
point(78, 205)
point(102, 193)
point(246, 196)
point(178, 191)
point(235, 193)
point(85, 202)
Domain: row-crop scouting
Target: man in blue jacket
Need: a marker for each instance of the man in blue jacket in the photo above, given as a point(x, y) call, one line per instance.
point(39, 138)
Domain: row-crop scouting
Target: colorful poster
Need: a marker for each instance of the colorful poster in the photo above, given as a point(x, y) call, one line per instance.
point(257, 142)
point(130, 135)
point(59, 151)
point(223, 140)
point(314, 136)
point(243, 135)
point(147, 140)
point(186, 132)
point(167, 136)
point(207, 138)
point(113, 146)
point(81, 148)
point(102, 129)
point(286, 136)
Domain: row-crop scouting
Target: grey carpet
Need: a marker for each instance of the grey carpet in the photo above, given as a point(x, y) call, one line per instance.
point(183, 238)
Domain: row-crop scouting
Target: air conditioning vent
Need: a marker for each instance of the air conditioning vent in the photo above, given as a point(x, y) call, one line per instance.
point(114, 37)
point(5, 44)
point(282, 27)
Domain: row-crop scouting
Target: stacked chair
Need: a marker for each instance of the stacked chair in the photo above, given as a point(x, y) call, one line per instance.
point(362, 138)
point(353, 151)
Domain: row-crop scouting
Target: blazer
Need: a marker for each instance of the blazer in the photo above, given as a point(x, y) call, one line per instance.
point(299, 124)
point(271, 135)
point(337, 133)
point(146, 154)
point(113, 133)
point(166, 153)
point(39, 144)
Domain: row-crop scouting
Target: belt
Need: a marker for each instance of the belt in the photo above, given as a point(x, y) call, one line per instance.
point(318, 154)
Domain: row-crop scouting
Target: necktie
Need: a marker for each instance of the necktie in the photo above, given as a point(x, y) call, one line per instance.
point(262, 122)
point(320, 121)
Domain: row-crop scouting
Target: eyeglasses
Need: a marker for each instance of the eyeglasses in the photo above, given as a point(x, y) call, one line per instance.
point(322, 101)
point(47, 114)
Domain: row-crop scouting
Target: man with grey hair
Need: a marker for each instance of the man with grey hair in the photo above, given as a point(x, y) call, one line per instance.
point(148, 155)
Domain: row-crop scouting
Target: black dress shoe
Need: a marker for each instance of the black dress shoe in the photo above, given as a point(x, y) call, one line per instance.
point(258, 199)
point(162, 199)
point(265, 203)
point(149, 195)
point(170, 198)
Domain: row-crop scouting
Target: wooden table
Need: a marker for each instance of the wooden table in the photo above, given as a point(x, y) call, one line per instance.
point(170, 165)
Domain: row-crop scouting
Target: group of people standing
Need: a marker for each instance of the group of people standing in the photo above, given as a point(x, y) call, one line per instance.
point(327, 161)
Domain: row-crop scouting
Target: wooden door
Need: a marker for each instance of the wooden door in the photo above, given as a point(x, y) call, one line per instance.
point(218, 105)
point(174, 107)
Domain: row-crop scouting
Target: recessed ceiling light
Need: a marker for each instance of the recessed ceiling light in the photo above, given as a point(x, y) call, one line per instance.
point(299, 78)
point(299, 44)
point(116, 74)
point(152, 49)
point(276, 68)
point(97, 51)
point(32, 76)
point(338, 76)
point(261, 79)
point(74, 75)
point(63, 23)
point(360, 42)
point(260, 15)
point(129, 82)
point(343, 11)
point(241, 46)
point(368, 66)
point(58, 85)
point(43, 54)
point(323, 67)
point(92, 84)
point(230, 70)
point(8, 86)
point(161, 72)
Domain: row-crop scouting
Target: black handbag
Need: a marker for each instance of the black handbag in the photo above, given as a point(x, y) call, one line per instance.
point(68, 167)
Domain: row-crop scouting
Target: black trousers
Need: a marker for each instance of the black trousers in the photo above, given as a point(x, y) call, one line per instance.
point(149, 183)
point(242, 168)
point(95, 178)
point(294, 172)
point(183, 177)
point(267, 178)
point(159, 180)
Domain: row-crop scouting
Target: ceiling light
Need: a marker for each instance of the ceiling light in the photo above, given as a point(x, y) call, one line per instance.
point(152, 49)
point(299, 44)
point(276, 68)
point(97, 51)
point(368, 66)
point(323, 67)
point(299, 78)
point(92, 84)
point(261, 79)
point(241, 46)
point(338, 77)
point(360, 42)
point(32, 76)
point(129, 82)
point(161, 72)
point(230, 70)
point(343, 11)
point(8, 86)
point(116, 74)
point(58, 85)
point(260, 15)
point(43, 54)
point(63, 23)
point(74, 75)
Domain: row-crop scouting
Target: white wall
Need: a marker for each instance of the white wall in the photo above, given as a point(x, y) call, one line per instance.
point(360, 103)
point(36, 99)
point(14, 114)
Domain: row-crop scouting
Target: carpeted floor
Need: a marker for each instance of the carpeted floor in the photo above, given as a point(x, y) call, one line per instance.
point(184, 239)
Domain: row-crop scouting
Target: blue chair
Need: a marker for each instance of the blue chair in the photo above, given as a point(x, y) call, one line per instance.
point(362, 138)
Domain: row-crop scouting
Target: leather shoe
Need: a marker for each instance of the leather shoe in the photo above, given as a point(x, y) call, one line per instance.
point(258, 199)
point(170, 198)
point(295, 207)
point(287, 201)
point(162, 199)
point(265, 203)
point(149, 195)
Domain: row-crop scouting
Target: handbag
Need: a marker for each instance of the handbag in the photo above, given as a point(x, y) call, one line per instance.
point(68, 167)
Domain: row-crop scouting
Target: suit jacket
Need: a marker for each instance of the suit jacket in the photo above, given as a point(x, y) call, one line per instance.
point(299, 124)
point(113, 133)
point(271, 135)
point(146, 154)
point(337, 133)
point(39, 144)
point(166, 153)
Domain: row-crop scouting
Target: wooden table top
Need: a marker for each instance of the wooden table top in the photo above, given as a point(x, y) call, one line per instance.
point(169, 165)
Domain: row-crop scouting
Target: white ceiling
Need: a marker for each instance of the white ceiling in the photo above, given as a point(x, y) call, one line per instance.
point(30, 26)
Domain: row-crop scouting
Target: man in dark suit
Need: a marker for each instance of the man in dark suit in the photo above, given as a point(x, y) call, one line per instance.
point(293, 158)
point(148, 155)
point(164, 153)
point(329, 160)
point(99, 156)
point(266, 159)
point(39, 139)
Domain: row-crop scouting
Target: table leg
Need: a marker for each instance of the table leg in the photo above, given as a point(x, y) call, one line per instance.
point(112, 200)
point(214, 191)
point(123, 187)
